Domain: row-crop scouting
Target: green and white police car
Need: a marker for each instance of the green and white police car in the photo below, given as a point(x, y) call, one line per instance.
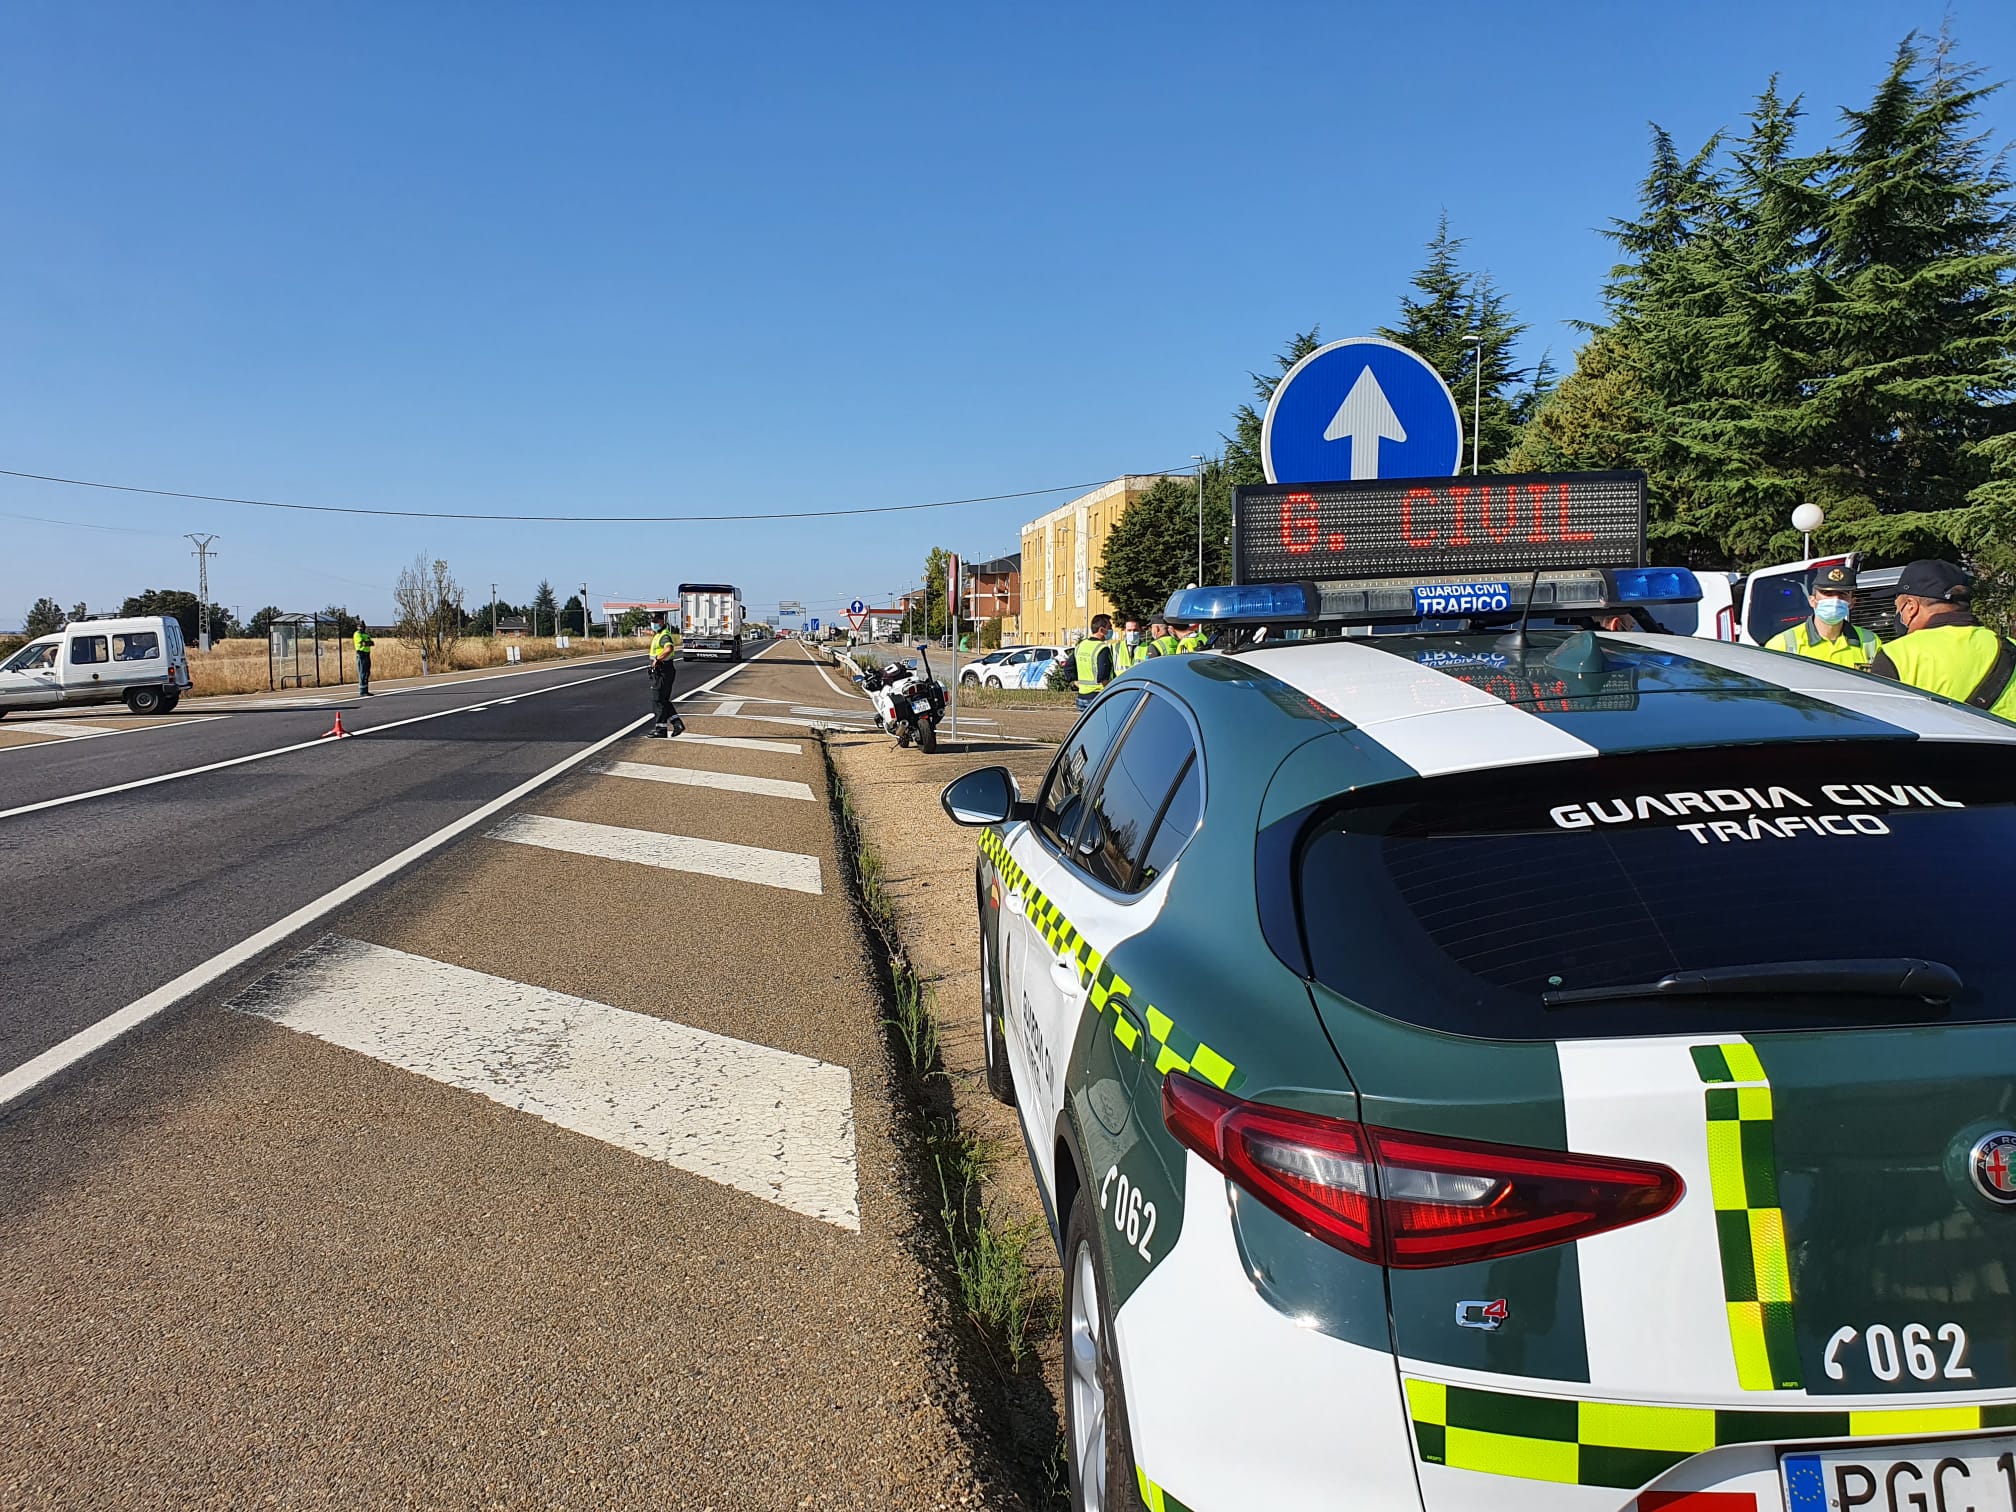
point(1560, 1068)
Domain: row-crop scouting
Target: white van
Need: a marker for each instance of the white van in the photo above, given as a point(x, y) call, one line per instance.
point(141, 662)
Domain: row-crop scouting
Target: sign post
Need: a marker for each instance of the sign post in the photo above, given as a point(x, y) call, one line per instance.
point(952, 624)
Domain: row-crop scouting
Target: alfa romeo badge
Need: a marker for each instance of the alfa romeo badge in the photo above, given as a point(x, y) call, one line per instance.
point(1993, 1163)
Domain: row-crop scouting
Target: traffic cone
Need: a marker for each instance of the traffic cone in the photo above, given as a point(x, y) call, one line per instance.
point(339, 733)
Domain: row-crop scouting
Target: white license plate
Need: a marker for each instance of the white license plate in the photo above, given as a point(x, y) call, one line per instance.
point(1954, 1474)
point(920, 706)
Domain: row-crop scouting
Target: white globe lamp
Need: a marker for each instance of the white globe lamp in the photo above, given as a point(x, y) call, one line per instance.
point(1806, 519)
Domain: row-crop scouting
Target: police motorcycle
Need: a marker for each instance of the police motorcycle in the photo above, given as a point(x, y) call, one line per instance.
point(908, 701)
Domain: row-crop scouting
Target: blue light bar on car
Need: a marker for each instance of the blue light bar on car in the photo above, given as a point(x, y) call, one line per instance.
point(1243, 603)
point(1655, 585)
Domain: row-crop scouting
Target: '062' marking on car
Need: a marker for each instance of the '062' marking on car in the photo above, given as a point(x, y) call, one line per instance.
point(1133, 1216)
point(1891, 1355)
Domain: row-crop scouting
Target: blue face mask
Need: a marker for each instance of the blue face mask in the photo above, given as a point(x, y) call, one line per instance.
point(1831, 611)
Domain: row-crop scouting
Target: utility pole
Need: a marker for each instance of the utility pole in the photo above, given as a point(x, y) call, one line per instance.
point(584, 612)
point(1198, 458)
point(493, 611)
point(1476, 345)
point(202, 553)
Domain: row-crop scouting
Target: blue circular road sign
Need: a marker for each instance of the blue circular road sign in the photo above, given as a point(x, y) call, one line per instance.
point(857, 607)
point(1361, 408)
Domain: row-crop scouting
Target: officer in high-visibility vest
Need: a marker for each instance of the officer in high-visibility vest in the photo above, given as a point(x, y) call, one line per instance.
point(664, 673)
point(1131, 649)
point(1828, 636)
point(1944, 649)
point(1093, 660)
point(1161, 639)
point(361, 643)
point(1195, 639)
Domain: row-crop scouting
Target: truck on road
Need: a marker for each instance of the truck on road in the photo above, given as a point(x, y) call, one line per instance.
point(710, 622)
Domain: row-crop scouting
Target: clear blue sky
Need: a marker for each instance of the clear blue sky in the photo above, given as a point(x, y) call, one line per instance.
point(651, 258)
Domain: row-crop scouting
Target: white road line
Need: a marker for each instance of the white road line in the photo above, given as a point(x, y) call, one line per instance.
point(744, 743)
point(59, 1057)
point(796, 724)
point(709, 858)
point(67, 729)
point(775, 1125)
point(843, 692)
point(727, 706)
point(733, 782)
point(299, 745)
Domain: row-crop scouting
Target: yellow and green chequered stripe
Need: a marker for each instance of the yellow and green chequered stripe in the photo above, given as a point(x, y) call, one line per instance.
point(1749, 1222)
point(1173, 1049)
point(1153, 1497)
point(1626, 1445)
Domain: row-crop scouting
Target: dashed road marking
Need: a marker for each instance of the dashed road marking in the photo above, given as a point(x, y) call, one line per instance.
point(763, 1121)
point(710, 858)
point(744, 743)
point(733, 782)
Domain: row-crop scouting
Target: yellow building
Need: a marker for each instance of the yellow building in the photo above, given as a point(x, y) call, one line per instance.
point(1060, 564)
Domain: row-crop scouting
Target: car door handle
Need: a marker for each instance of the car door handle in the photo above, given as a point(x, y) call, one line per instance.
point(1066, 968)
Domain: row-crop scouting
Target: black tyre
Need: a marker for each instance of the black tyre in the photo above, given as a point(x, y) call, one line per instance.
point(169, 699)
point(1000, 1080)
point(927, 735)
point(993, 682)
point(145, 700)
point(1098, 1450)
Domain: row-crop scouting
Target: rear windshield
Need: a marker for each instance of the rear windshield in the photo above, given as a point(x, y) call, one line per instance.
point(1458, 902)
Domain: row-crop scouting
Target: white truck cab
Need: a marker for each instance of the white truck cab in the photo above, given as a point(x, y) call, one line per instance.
point(140, 662)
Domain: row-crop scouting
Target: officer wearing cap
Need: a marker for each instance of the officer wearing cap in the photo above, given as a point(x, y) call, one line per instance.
point(1827, 635)
point(1944, 649)
point(664, 673)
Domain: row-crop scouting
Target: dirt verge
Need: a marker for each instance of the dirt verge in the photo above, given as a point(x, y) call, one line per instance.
point(913, 877)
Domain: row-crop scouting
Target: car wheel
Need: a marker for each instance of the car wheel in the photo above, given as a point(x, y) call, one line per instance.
point(144, 700)
point(993, 682)
point(1099, 1454)
point(1000, 1080)
point(169, 699)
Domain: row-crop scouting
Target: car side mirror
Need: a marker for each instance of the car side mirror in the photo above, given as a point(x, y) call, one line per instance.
point(988, 796)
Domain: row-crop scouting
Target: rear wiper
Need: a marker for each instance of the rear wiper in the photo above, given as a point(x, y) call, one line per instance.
point(1900, 977)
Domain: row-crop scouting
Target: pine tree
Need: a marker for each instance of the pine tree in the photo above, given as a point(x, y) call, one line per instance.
point(46, 618)
point(545, 610)
point(1242, 447)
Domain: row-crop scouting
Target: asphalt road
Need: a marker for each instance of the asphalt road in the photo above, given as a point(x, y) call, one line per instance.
point(111, 896)
point(561, 1169)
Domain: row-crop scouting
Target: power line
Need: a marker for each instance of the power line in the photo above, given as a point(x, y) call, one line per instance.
point(558, 519)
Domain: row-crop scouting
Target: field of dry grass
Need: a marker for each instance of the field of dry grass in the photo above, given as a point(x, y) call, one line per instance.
point(239, 666)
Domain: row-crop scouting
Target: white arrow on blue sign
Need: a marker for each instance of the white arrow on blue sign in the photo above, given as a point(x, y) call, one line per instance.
point(1361, 408)
point(857, 607)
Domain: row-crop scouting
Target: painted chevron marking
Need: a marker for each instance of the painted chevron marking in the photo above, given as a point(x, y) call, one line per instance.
point(709, 858)
point(775, 1125)
point(730, 782)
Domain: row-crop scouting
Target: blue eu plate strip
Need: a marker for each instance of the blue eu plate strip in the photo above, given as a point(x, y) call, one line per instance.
point(1805, 1483)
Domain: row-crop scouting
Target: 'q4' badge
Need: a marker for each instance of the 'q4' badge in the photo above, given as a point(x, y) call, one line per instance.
point(1993, 1162)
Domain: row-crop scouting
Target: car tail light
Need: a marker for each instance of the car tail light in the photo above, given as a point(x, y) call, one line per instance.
point(1410, 1200)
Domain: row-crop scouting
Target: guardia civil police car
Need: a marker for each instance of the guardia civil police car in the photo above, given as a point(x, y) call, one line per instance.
point(1559, 1068)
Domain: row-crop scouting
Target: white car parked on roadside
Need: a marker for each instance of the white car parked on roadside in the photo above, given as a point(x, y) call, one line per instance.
point(140, 662)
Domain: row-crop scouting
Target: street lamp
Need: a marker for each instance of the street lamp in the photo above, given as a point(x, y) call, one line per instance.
point(1806, 519)
point(1476, 345)
point(1198, 458)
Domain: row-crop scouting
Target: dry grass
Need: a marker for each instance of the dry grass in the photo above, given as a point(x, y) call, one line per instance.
point(239, 666)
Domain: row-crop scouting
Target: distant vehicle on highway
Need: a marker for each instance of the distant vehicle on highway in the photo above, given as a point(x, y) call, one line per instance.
point(710, 622)
point(141, 662)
